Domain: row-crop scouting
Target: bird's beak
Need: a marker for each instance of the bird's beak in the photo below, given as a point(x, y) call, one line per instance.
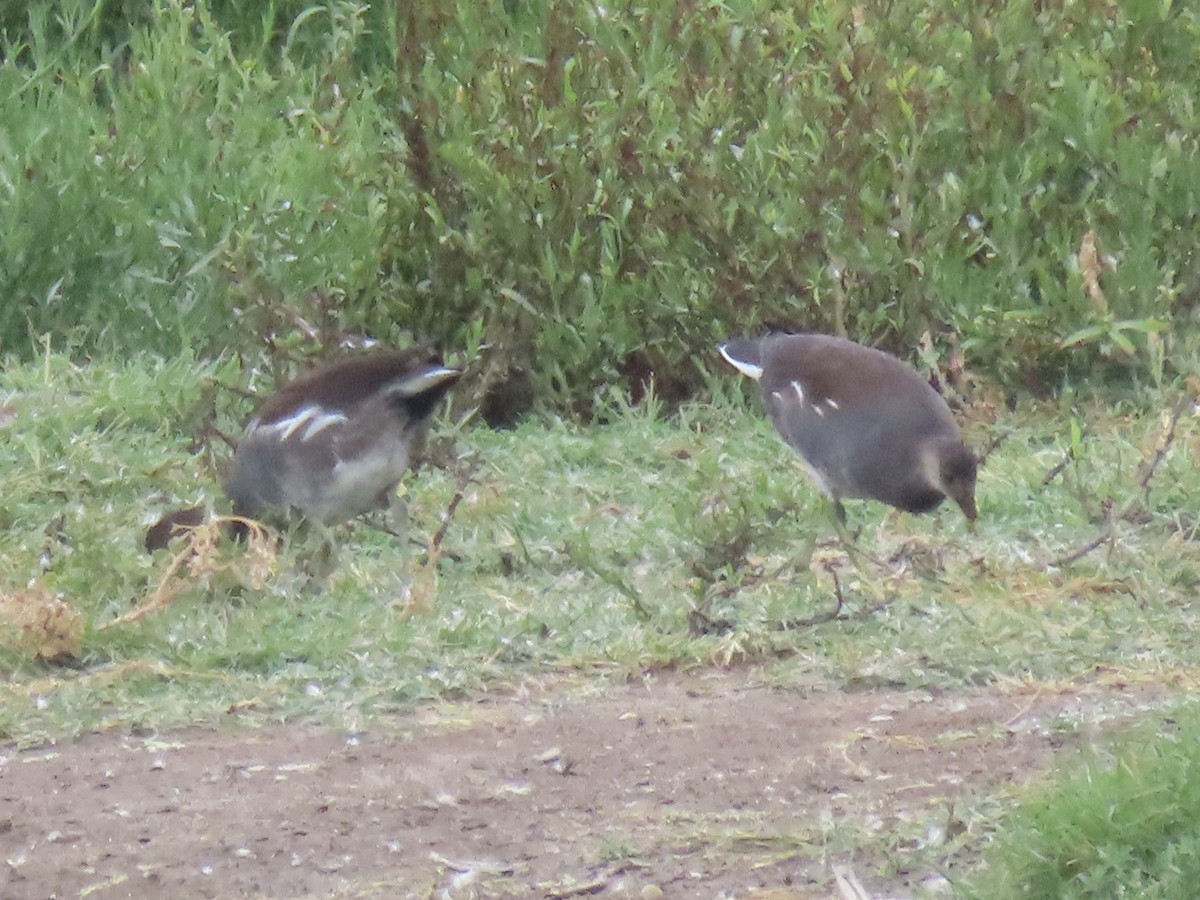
point(967, 504)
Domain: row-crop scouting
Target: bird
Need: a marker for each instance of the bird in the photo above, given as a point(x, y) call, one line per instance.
point(866, 425)
point(333, 444)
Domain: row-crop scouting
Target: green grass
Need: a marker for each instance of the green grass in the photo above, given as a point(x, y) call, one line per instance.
point(1126, 824)
point(574, 549)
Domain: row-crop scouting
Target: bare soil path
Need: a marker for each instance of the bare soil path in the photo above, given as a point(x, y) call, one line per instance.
point(701, 785)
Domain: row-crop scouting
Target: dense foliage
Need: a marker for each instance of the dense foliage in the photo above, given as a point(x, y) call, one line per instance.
point(603, 190)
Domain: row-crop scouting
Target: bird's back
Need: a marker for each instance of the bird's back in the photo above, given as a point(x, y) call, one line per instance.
point(857, 415)
point(332, 442)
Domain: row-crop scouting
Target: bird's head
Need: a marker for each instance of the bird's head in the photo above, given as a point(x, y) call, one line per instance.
point(955, 469)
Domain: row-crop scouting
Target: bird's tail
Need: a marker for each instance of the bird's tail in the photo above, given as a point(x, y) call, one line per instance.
point(745, 355)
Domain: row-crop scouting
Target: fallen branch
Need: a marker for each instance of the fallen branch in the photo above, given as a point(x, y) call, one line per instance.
point(1079, 553)
point(1164, 446)
point(466, 475)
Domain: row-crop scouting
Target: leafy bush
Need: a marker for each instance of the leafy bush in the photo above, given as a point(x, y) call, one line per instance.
point(601, 192)
point(203, 188)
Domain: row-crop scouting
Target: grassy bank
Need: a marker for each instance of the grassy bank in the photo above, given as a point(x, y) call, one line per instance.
point(644, 543)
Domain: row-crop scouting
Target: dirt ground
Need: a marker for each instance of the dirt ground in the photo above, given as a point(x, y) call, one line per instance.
point(708, 785)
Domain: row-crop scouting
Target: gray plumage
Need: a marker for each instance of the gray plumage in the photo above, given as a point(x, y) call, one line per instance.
point(867, 424)
point(334, 444)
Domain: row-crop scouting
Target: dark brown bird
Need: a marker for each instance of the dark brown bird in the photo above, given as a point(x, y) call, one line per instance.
point(333, 444)
point(867, 425)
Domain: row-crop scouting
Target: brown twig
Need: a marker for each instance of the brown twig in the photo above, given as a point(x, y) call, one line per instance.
point(992, 446)
point(466, 475)
point(701, 623)
point(1059, 467)
point(423, 585)
point(1164, 446)
point(1148, 469)
point(1079, 553)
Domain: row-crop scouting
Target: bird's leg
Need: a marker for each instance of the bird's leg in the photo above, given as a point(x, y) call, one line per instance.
point(867, 566)
point(398, 516)
point(319, 563)
point(848, 539)
point(837, 516)
point(394, 520)
point(310, 544)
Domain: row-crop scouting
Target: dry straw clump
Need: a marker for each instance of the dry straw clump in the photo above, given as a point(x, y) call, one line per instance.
point(198, 562)
point(40, 623)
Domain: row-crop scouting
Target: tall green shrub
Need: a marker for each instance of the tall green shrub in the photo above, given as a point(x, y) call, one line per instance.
point(202, 187)
point(602, 191)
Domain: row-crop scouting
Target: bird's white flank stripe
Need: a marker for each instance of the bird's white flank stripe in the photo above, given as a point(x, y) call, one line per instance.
point(799, 391)
point(286, 426)
point(746, 368)
point(313, 419)
point(833, 404)
point(320, 423)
